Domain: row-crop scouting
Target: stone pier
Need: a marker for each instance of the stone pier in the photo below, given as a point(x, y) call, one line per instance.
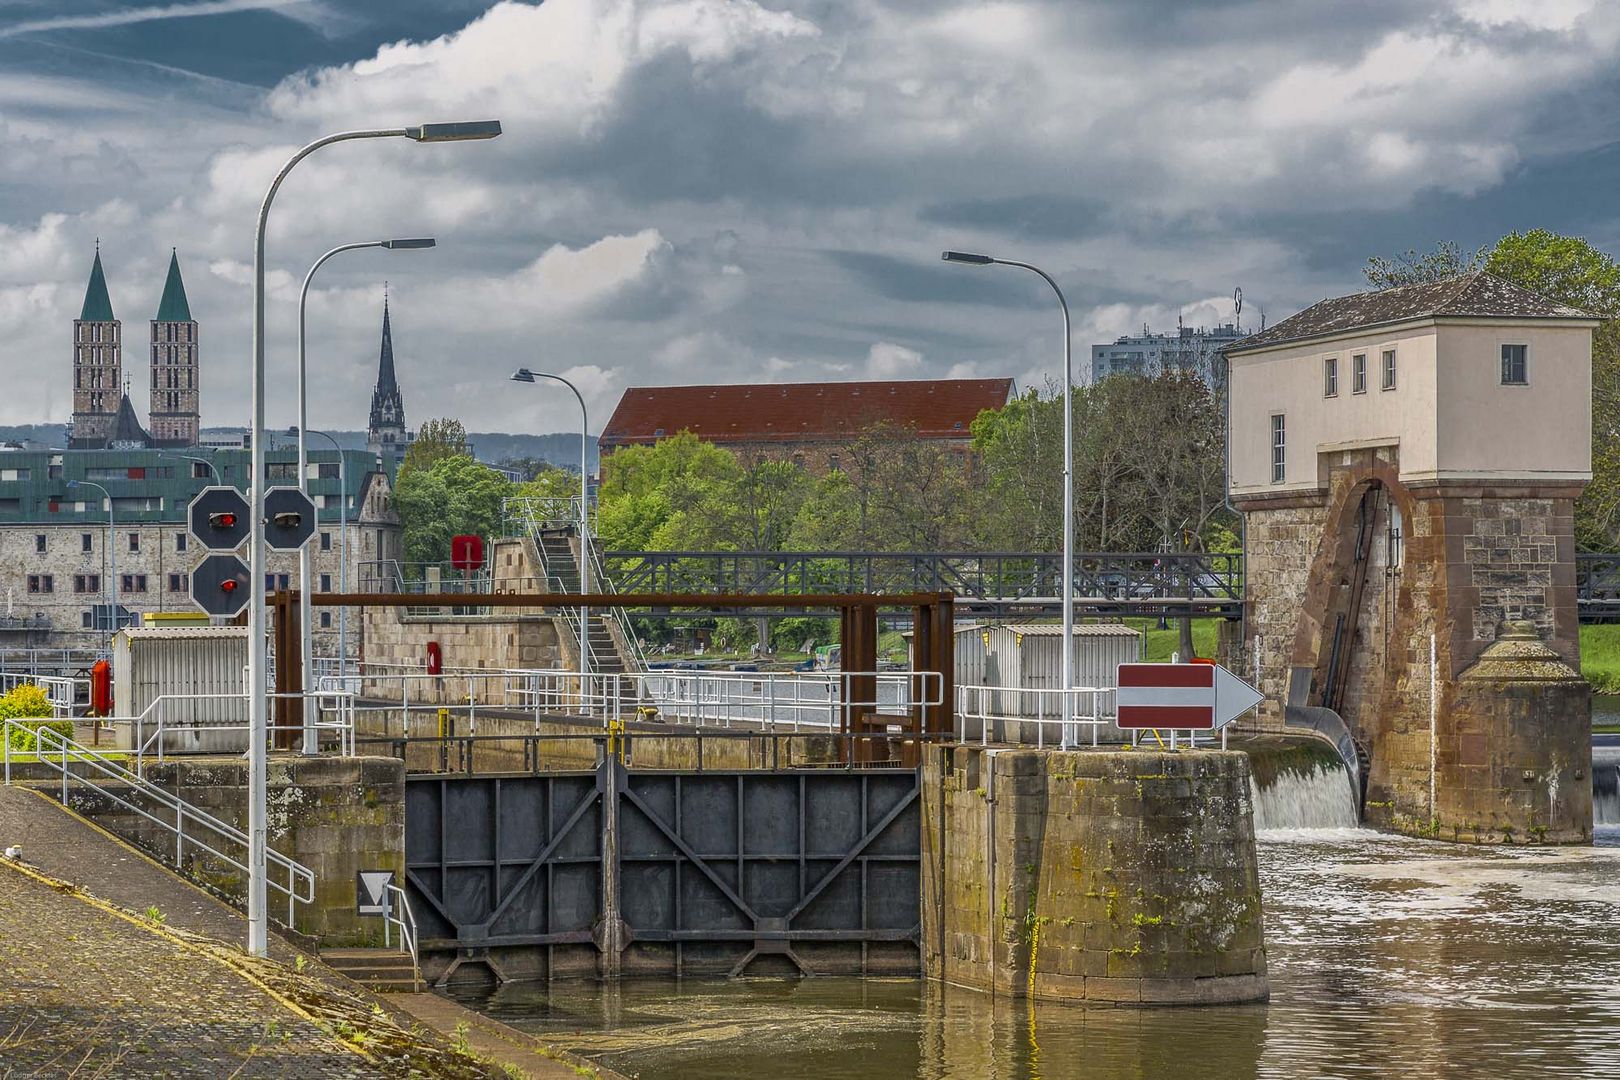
point(1128, 877)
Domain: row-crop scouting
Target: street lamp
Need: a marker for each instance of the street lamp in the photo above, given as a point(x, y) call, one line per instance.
point(524, 375)
point(112, 556)
point(343, 554)
point(258, 702)
point(1066, 671)
point(213, 473)
point(306, 633)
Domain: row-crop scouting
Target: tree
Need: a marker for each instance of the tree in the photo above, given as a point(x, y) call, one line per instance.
point(1412, 267)
point(436, 440)
point(452, 496)
point(1562, 268)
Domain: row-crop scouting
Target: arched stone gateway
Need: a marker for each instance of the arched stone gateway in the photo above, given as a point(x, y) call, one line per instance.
point(1408, 493)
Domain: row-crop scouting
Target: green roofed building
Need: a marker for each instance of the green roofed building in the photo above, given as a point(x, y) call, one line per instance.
point(62, 510)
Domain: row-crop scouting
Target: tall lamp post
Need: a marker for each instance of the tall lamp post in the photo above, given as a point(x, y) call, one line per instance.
point(306, 633)
point(258, 701)
point(112, 557)
point(524, 375)
point(343, 554)
point(1066, 671)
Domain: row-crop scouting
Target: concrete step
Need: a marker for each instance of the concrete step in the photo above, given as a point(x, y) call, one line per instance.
point(387, 970)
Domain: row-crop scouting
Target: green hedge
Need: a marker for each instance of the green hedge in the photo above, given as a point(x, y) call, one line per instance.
point(28, 701)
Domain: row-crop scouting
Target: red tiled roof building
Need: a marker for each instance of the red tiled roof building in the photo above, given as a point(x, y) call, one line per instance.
point(790, 419)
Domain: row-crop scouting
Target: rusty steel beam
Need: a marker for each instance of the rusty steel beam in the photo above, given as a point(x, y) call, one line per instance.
point(628, 600)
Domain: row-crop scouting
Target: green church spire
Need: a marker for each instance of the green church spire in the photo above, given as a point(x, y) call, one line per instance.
point(97, 304)
point(173, 306)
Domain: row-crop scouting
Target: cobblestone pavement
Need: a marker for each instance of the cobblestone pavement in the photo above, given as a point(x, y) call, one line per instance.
point(86, 992)
point(90, 989)
point(65, 847)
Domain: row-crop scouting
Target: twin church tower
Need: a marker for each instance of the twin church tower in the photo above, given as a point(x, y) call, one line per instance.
point(104, 418)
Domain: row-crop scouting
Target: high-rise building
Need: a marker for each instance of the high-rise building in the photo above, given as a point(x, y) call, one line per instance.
point(98, 364)
point(1148, 353)
point(386, 435)
point(174, 415)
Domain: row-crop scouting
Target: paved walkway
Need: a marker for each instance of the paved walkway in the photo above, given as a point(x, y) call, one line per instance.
point(91, 993)
point(91, 988)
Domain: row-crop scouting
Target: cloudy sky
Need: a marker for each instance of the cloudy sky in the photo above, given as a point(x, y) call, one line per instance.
point(758, 190)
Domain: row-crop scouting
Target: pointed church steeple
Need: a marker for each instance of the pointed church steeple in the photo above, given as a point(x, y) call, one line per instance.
point(98, 364)
point(386, 435)
point(97, 304)
point(175, 412)
point(173, 306)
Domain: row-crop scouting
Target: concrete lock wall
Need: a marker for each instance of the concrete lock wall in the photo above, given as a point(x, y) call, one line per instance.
point(1126, 877)
point(335, 816)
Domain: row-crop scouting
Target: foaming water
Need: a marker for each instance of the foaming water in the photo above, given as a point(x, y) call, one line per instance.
point(1388, 956)
point(1606, 786)
point(1318, 798)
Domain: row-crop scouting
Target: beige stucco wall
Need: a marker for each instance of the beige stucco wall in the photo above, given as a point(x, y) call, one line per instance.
point(1290, 381)
point(1540, 431)
point(1449, 415)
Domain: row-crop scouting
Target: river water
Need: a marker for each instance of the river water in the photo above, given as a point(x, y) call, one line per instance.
point(1389, 957)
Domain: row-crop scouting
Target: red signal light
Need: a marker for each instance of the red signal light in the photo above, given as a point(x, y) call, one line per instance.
point(228, 585)
point(223, 520)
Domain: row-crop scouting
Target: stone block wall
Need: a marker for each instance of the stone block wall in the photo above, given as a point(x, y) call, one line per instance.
point(1472, 559)
point(1118, 876)
point(335, 816)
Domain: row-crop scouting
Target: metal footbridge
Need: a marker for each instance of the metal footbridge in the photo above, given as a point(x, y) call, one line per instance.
point(1007, 583)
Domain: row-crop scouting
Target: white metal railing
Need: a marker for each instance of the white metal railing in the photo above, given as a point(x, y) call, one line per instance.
point(770, 699)
point(60, 690)
point(399, 914)
point(62, 753)
point(149, 730)
point(998, 708)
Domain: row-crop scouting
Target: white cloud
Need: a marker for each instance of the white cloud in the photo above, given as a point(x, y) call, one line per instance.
point(886, 360)
point(680, 181)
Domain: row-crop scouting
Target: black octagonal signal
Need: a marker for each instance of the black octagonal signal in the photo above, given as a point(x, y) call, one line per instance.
point(219, 585)
point(218, 518)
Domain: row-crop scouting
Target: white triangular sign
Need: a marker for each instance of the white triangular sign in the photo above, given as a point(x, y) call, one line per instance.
point(1233, 697)
point(373, 892)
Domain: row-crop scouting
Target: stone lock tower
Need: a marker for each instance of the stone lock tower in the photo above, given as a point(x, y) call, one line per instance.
point(98, 363)
point(1407, 463)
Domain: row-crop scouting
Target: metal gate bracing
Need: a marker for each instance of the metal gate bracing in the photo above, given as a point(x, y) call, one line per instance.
point(762, 862)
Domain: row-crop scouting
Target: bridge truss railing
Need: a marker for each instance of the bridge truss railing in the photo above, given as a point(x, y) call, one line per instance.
point(1148, 579)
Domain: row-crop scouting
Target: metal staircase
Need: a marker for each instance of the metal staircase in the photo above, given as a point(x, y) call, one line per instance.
point(552, 525)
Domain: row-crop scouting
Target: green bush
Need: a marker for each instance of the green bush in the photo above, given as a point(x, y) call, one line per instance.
point(26, 701)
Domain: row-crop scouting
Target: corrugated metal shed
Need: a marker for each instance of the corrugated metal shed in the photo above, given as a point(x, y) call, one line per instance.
point(172, 661)
point(1028, 656)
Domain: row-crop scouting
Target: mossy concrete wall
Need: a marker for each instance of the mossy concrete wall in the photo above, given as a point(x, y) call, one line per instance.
point(1114, 876)
point(334, 815)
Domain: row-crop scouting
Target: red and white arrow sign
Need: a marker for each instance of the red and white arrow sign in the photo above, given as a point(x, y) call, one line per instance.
point(1197, 697)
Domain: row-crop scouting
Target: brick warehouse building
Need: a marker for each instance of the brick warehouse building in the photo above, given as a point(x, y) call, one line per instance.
point(805, 423)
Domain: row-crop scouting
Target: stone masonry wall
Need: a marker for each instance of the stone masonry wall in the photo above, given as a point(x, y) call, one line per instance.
point(333, 815)
point(1125, 877)
point(1280, 547)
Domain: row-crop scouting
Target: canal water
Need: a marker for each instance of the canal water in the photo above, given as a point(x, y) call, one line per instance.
point(1389, 957)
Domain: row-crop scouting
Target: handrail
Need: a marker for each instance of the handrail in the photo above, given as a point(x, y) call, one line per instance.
point(399, 914)
point(55, 750)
